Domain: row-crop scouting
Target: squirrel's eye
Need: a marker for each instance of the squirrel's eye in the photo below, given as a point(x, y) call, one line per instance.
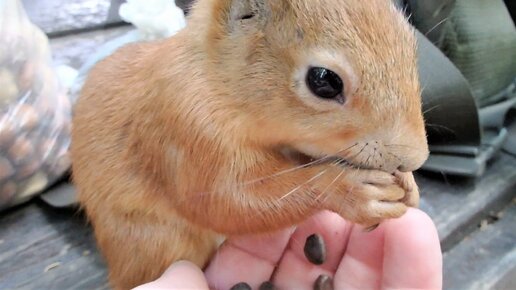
point(325, 84)
point(247, 16)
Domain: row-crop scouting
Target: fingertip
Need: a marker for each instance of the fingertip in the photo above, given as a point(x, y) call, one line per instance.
point(413, 217)
point(180, 275)
point(414, 229)
point(413, 255)
point(181, 267)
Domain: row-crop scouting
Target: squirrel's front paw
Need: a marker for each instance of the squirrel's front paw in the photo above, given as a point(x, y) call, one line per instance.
point(406, 181)
point(370, 197)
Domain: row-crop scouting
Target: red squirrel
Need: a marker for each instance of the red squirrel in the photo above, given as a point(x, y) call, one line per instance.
point(256, 115)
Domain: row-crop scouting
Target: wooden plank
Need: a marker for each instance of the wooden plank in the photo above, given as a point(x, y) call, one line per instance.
point(42, 248)
point(74, 50)
point(486, 259)
point(456, 204)
point(58, 17)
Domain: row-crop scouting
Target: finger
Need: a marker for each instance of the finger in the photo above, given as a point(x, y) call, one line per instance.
point(413, 256)
point(181, 275)
point(295, 271)
point(251, 259)
point(362, 264)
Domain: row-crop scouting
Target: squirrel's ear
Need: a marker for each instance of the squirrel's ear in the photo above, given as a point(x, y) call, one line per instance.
point(243, 12)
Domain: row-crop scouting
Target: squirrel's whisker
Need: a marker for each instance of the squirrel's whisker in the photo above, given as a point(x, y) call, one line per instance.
point(303, 184)
point(331, 183)
point(290, 170)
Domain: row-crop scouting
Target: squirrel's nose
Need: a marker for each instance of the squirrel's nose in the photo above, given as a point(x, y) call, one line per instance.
point(413, 160)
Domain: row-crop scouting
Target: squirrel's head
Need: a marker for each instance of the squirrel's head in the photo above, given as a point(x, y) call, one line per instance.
point(321, 78)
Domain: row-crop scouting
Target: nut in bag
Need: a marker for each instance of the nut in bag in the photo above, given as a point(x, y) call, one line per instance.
point(35, 111)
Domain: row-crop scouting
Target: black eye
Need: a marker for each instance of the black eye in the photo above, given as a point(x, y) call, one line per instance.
point(325, 84)
point(247, 16)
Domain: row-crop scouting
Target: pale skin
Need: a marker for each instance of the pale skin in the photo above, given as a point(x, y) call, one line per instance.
point(401, 253)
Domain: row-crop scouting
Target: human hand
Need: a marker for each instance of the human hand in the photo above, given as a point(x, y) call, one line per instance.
point(401, 253)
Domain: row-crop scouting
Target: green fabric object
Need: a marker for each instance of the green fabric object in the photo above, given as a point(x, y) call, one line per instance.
point(428, 17)
point(480, 39)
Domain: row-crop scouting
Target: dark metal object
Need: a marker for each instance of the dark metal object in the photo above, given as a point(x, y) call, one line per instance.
point(450, 109)
point(462, 138)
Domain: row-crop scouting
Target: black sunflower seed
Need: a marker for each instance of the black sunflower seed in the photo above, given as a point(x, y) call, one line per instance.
point(267, 286)
point(241, 286)
point(323, 283)
point(315, 249)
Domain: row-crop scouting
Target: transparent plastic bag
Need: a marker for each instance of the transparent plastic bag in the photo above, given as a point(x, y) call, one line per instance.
point(35, 111)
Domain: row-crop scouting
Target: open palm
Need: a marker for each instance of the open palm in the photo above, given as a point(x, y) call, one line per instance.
point(400, 254)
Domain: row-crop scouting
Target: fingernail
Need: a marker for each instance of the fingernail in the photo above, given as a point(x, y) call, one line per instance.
point(241, 286)
point(315, 249)
point(267, 286)
point(323, 283)
point(371, 228)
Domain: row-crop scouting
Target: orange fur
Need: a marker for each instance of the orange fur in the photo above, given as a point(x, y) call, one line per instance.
point(176, 141)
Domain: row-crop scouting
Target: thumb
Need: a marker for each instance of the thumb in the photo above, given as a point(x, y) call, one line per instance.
point(181, 275)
